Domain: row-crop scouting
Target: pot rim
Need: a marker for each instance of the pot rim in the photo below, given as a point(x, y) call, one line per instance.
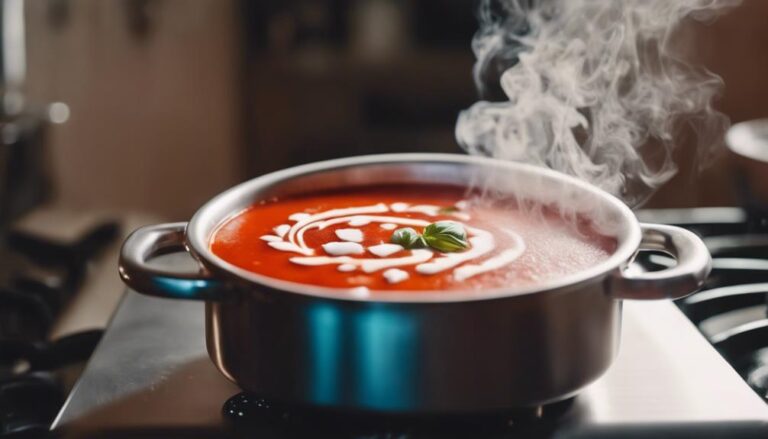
point(198, 235)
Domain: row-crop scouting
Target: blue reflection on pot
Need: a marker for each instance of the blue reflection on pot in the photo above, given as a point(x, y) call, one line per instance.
point(363, 355)
point(180, 288)
point(385, 348)
point(326, 334)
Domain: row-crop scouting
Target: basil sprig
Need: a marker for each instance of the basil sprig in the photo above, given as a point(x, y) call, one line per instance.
point(408, 238)
point(446, 236)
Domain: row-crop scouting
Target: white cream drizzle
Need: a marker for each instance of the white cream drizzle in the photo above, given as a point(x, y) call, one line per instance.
point(351, 235)
point(368, 265)
point(505, 257)
point(426, 209)
point(300, 216)
point(384, 250)
point(398, 207)
point(290, 247)
point(343, 248)
point(372, 219)
point(323, 224)
point(357, 221)
point(282, 229)
point(395, 275)
point(290, 238)
point(417, 256)
point(298, 228)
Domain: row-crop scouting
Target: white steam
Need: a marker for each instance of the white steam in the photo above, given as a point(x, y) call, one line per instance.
point(595, 89)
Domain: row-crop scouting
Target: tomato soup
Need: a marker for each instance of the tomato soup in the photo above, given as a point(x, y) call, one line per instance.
point(419, 237)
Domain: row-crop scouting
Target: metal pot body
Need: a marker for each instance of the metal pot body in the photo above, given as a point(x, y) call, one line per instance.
point(394, 357)
point(414, 352)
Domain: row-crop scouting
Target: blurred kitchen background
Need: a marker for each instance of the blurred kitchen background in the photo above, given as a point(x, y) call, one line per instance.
point(171, 101)
point(118, 113)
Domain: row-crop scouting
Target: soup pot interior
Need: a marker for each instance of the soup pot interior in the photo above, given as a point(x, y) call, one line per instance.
point(490, 178)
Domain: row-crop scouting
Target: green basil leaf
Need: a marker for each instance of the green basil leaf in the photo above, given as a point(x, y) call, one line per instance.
point(446, 236)
point(408, 238)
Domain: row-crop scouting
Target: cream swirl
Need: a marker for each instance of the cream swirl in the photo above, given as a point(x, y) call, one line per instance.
point(426, 261)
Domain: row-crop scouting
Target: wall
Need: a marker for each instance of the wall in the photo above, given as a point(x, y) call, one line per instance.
point(154, 97)
point(735, 46)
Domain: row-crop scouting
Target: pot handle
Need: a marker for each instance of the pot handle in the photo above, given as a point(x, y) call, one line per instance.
point(693, 266)
point(150, 241)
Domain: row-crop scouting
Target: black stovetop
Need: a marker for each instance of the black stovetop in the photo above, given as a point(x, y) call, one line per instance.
point(731, 310)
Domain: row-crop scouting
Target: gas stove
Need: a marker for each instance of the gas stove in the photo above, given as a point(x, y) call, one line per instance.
point(731, 310)
point(695, 368)
point(45, 262)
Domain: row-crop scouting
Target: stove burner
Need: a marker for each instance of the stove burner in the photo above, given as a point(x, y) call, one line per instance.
point(251, 414)
point(710, 303)
point(746, 348)
point(39, 275)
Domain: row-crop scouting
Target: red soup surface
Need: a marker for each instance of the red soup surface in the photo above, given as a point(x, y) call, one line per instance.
point(344, 239)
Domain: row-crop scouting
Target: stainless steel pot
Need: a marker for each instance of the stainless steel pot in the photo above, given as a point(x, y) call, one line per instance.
point(414, 352)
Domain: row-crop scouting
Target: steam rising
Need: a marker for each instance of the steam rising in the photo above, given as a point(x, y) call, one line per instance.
point(595, 89)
